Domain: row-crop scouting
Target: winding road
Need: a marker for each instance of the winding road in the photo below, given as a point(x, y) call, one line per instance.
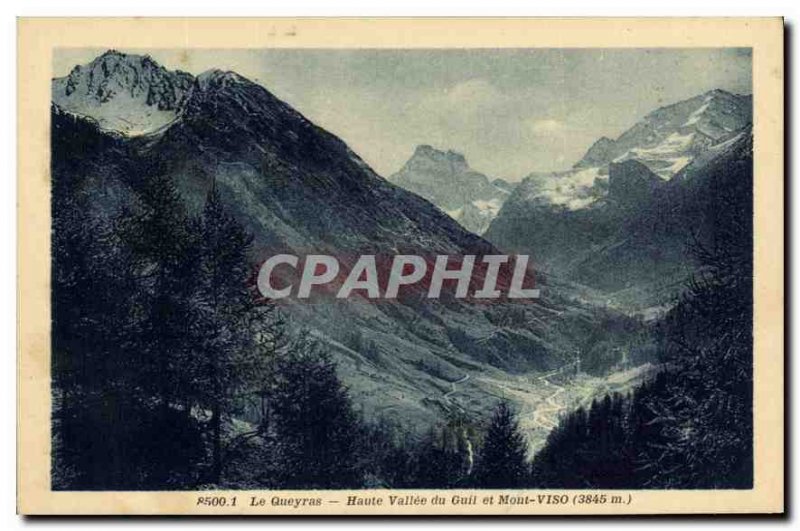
point(452, 390)
point(546, 416)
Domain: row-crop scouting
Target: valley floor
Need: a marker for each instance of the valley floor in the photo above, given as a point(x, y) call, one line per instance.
point(541, 399)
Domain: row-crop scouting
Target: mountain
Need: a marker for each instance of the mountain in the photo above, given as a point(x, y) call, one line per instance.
point(623, 218)
point(631, 236)
point(667, 139)
point(297, 188)
point(600, 153)
point(445, 179)
point(126, 93)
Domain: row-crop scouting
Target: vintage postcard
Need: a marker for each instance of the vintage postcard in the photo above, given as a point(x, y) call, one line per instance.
point(399, 266)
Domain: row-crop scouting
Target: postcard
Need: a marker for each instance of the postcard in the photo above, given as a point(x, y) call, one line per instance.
point(400, 266)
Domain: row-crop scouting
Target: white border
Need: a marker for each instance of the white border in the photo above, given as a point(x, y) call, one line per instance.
point(307, 8)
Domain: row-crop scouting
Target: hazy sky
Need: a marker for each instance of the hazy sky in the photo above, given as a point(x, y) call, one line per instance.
point(509, 111)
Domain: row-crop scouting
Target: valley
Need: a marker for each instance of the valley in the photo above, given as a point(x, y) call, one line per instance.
point(542, 399)
point(608, 236)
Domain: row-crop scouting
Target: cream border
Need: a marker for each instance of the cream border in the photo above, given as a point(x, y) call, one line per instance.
point(38, 36)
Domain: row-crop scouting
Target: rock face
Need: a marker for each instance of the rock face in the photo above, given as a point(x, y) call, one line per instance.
point(130, 94)
point(631, 183)
point(445, 179)
point(299, 189)
point(600, 153)
point(622, 219)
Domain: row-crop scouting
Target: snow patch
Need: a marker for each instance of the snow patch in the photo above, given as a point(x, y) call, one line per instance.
point(492, 206)
point(678, 164)
point(696, 115)
point(124, 113)
point(573, 190)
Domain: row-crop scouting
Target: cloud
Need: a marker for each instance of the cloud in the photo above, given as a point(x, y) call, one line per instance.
point(463, 101)
point(546, 126)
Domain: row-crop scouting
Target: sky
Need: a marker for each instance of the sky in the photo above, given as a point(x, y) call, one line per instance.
point(509, 111)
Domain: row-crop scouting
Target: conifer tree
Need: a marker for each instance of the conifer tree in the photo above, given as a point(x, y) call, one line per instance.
point(106, 432)
point(157, 229)
point(315, 428)
point(227, 362)
point(502, 462)
point(442, 460)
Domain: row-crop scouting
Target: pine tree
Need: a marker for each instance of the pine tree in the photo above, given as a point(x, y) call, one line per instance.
point(558, 464)
point(227, 362)
point(314, 428)
point(106, 433)
point(442, 459)
point(157, 229)
point(502, 462)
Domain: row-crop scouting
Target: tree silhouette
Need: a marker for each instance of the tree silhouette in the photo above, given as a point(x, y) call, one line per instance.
point(224, 363)
point(314, 428)
point(502, 462)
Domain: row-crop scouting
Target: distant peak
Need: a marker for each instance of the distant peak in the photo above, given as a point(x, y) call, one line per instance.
point(424, 149)
point(430, 152)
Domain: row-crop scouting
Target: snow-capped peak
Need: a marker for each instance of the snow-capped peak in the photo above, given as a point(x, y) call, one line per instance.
point(668, 138)
point(666, 141)
point(127, 93)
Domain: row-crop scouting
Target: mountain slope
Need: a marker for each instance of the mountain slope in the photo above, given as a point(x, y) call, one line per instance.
point(631, 242)
point(619, 220)
point(445, 179)
point(667, 139)
point(300, 189)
